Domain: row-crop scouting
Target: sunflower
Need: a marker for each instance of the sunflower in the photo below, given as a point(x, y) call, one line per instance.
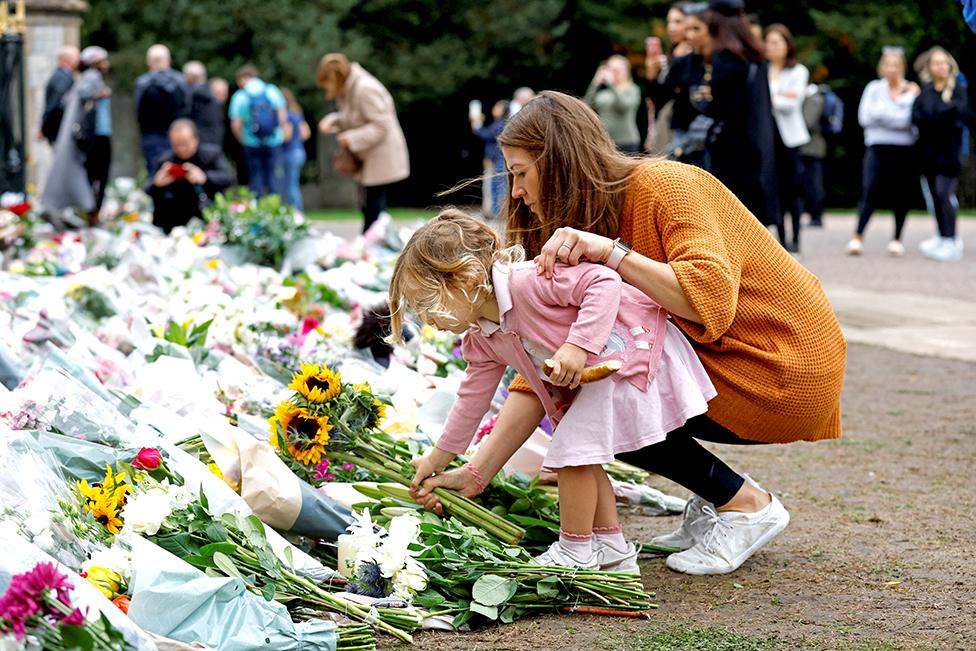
point(305, 435)
point(379, 411)
point(316, 384)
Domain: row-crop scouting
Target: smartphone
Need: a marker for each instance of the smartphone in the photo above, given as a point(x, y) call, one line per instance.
point(176, 171)
point(652, 45)
point(474, 109)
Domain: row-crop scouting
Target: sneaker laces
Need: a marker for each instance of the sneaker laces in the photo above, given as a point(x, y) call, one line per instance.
point(718, 529)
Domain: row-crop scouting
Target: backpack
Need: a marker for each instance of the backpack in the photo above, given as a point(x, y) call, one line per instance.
point(264, 116)
point(832, 118)
point(162, 102)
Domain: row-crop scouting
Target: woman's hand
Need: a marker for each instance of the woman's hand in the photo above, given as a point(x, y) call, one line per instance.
point(460, 480)
point(569, 245)
point(329, 124)
point(567, 366)
point(434, 461)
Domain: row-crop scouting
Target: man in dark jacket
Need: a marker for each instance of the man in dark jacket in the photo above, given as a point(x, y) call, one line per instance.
point(161, 97)
point(187, 177)
point(57, 87)
point(205, 112)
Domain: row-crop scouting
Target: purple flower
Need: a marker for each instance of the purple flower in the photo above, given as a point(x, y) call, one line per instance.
point(322, 471)
point(26, 595)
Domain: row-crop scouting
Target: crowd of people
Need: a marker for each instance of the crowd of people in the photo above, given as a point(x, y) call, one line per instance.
point(733, 98)
point(194, 135)
point(726, 95)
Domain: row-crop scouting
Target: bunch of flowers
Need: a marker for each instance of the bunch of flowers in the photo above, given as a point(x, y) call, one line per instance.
point(326, 418)
point(384, 564)
point(109, 570)
point(37, 609)
point(262, 229)
point(105, 500)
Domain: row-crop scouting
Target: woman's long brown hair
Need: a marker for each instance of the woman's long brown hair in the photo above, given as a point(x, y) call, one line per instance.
point(582, 176)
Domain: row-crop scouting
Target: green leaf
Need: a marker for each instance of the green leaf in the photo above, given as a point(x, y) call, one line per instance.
point(548, 588)
point(223, 547)
point(76, 637)
point(216, 532)
point(202, 562)
point(226, 565)
point(268, 592)
point(178, 544)
point(507, 616)
point(493, 590)
point(203, 499)
point(491, 612)
point(429, 599)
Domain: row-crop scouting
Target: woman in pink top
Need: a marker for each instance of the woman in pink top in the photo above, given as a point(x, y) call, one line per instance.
point(453, 275)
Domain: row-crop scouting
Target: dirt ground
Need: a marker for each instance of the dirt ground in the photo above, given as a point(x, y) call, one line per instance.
point(878, 555)
point(875, 556)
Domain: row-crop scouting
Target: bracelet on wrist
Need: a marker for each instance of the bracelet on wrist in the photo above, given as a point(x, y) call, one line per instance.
point(476, 475)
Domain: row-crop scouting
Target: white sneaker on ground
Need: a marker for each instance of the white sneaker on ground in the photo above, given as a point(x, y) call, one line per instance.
point(732, 539)
point(896, 249)
point(694, 525)
point(925, 246)
point(947, 250)
point(855, 246)
point(611, 560)
point(558, 556)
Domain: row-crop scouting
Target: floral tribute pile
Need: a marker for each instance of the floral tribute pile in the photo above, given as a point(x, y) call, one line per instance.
point(202, 443)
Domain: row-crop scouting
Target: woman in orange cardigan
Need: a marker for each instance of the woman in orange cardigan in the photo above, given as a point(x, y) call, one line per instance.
point(759, 321)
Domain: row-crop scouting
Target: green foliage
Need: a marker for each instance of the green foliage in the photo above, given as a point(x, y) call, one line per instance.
point(261, 229)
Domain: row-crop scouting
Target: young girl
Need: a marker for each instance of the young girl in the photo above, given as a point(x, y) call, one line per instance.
point(453, 275)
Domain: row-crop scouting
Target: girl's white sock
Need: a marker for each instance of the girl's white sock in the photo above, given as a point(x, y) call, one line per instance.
point(612, 536)
point(579, 546)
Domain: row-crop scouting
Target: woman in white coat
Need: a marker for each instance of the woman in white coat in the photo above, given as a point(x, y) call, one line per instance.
point(787, 87)
point(367, 126)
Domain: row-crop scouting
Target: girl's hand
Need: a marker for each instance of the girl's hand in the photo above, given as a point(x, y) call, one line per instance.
point(567, 367)
point(569, 245)
point(434, 461)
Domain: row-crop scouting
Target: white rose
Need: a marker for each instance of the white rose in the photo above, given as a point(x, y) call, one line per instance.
point(145, 512)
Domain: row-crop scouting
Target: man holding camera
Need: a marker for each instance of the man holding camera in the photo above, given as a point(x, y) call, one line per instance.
point(187, 177)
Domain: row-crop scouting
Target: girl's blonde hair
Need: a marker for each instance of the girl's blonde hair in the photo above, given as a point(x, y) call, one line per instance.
point(451, 253)
point(922, 68)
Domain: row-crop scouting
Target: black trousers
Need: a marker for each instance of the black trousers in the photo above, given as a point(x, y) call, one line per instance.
point(889, 178)
point(685, 461)
point(789, 175)
point(943, 189)
point(813, 187)
point(97, 161)
point(373, 203)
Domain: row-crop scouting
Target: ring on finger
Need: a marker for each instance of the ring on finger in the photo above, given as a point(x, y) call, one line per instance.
point(565, 246)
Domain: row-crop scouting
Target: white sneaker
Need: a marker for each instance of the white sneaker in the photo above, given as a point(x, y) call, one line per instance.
point(611, 560)
point(855, 246)
point(896, 249)
point(732, 539)
point(557, 556)
point(925, 246)
point(947, 250)
point(694, 525)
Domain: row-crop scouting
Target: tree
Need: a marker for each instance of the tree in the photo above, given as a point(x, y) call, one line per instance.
point(435, 56)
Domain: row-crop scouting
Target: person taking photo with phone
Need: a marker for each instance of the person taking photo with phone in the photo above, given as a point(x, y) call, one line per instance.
point(615, 98)
point(187, 177)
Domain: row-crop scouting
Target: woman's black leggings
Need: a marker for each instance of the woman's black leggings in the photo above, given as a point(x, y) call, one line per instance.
point(889, 179)
point(943, 189)
point(684, 460)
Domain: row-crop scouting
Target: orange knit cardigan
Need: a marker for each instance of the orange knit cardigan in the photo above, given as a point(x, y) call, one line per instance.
point(770, 340)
